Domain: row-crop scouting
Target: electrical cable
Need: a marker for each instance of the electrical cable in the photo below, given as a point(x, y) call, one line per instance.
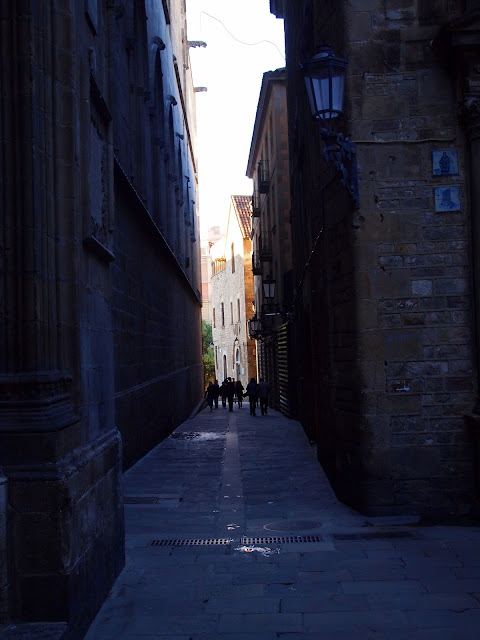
point(248, 44)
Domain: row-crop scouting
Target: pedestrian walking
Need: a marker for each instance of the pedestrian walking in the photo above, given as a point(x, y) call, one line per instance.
point(252, 392)
point(209, 394)
point(239, 393)
point(230, 393)
point(216, 393)
point(223, 393)
point(263, 391)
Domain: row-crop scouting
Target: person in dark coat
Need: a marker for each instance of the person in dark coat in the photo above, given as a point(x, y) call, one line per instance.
point(223, 393)
point(209, 395)
point(263, 390)
point(230, 393)
point(216, 393)
point(252, 393)
point(239, 393)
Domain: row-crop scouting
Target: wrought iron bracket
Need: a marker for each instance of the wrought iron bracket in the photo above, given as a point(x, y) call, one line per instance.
point(342, 153)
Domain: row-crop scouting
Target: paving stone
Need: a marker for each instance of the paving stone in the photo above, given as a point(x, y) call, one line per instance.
point(451, 586)
point(261, 622)
point(320, 603)
point(383, 586)
point(243, 605)
point(463, 619)
point(354, 621)
point(155, 624)
point(368, 589)
point(421, 601)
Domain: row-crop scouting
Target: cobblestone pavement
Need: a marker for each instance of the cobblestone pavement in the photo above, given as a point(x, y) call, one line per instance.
point(299, 565)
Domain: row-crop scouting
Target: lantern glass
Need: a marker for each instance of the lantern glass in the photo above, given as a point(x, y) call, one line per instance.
point(253, 325)
point(325, 80)
point(269, 288)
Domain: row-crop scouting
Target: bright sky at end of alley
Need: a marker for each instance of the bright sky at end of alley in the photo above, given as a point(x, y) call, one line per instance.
point(232, 73)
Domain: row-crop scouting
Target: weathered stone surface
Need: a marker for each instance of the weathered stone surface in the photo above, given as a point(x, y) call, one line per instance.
point(92, 109)
point(35, 631)
point(405, 300)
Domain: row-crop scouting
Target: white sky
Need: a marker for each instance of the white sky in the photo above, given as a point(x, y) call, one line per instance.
point(232, 73)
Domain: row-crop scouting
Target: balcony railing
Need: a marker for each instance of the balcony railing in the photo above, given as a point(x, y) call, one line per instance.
point(265, 248)
point(256, 264)
point(256, 208)
point(263, 177)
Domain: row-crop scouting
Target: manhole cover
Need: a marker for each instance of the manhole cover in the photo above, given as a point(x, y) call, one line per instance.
point(298, 525)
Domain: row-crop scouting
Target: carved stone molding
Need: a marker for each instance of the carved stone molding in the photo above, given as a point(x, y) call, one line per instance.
point(35, 403)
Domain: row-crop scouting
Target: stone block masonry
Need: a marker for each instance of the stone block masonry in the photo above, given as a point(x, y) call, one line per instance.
point(418, 270)
point(100, 302)
point(384, 306)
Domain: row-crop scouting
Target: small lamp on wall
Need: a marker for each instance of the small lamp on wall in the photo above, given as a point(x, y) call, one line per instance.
point(253, 327)
point(269, 288)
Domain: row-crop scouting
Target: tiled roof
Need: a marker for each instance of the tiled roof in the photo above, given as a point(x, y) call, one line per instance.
point(243, 209)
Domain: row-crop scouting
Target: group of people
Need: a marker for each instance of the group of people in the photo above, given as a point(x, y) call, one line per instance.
point(231, 390)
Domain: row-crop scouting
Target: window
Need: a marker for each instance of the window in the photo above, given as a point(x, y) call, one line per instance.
point(233, 258)
point(214, 323)
point(223, 315)
point(231, 312)
point(238, 309)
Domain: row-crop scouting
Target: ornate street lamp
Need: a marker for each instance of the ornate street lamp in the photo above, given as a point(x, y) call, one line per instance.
point(325, 76)
point(269, 288)
point(325, 79)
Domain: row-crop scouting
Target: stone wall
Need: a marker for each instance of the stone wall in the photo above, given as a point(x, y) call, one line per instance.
point(106, 135)
point(412, 261)
point(384, 320)
point(158, 376)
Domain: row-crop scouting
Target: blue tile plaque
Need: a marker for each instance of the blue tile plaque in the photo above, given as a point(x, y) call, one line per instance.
point(445, 162)
point(447, 198)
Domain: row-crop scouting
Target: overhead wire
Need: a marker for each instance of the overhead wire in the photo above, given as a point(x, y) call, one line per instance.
point(248, 44)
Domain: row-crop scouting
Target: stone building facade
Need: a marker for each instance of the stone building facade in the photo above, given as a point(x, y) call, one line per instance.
point(232, 295)
point(213, 236)
point(268, 167)
point(100, 264)
point(384, 309)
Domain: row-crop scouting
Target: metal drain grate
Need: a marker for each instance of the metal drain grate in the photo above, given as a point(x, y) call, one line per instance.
point(281, 539)
point(176, 542)
point(374, 535)
point(140, 500)
point(184, 436)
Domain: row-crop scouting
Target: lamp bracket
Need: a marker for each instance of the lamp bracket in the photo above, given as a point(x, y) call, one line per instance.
point(342, 153)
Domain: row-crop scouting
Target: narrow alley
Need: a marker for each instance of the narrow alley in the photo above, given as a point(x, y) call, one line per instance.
point(233, 532)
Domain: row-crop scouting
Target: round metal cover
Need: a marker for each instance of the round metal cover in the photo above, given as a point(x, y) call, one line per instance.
point(298, 525)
